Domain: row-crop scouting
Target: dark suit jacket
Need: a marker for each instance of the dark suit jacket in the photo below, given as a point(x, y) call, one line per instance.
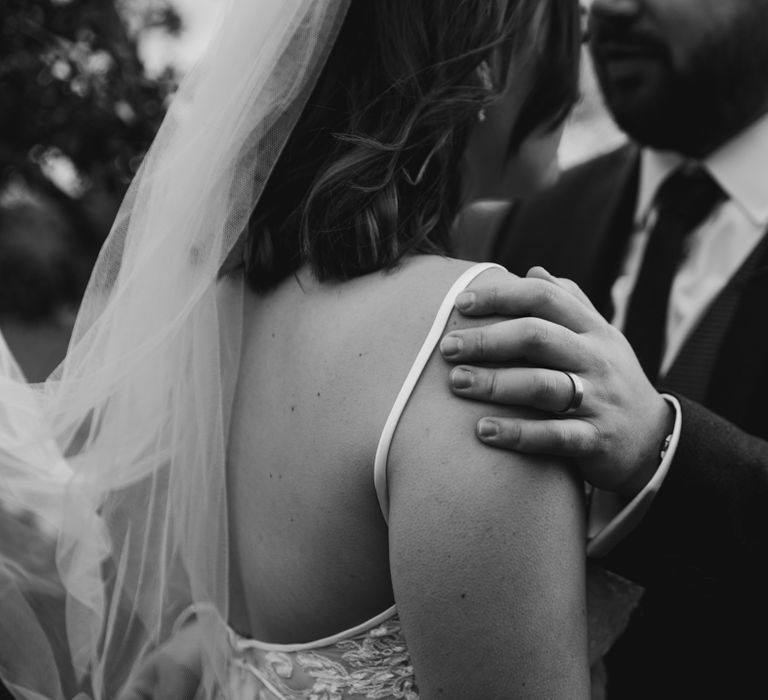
point(701, 630)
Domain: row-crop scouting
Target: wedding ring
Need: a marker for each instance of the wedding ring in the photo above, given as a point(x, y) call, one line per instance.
point(578, 393)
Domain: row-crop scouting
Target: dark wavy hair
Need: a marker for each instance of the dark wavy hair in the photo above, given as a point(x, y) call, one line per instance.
point(371, 172)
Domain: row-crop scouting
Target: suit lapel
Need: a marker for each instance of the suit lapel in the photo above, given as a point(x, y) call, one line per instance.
point(612, 224)
point(740, 377)
point(580, 227)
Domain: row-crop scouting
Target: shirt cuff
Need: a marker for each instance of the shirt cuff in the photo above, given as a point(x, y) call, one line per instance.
point(610, 519)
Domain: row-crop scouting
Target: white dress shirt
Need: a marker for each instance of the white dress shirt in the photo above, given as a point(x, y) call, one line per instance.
point(713, 254)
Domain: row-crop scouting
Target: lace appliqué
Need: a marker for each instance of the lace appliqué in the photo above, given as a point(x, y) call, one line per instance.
point(374, 665)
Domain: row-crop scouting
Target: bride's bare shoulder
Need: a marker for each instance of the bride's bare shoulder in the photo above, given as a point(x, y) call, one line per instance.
point(412, 293)
point(366, 317)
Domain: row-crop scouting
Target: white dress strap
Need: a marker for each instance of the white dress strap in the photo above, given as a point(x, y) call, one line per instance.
point(434, 335)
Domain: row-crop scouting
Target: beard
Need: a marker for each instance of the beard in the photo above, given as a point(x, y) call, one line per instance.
point(691, 109)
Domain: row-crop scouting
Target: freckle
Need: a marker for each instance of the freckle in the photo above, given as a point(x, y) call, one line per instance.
point(463, 595)
point(270, 476)
point(359, 354)
point(279, 476)
point(273, 335)
point(291, 519)
point(293, 408)
point(318, 394)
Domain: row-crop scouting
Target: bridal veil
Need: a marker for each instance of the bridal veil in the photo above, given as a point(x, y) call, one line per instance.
point(115, 465)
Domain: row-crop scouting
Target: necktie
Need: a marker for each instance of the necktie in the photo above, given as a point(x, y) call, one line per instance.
point(682, 203)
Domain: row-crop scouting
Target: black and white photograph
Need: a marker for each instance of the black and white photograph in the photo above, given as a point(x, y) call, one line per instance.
point(383, 349)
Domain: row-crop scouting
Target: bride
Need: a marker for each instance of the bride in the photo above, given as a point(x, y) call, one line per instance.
point(236, 449)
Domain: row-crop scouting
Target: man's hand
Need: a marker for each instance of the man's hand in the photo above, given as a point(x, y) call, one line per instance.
point(615, 435)
point(172, 671)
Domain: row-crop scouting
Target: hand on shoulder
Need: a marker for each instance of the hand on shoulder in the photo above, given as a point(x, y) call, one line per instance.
point(561, 346)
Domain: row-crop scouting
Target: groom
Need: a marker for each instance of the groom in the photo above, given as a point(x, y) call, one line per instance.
point(667, 236)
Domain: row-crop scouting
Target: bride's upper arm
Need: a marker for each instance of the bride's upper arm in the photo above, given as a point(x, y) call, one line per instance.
point(487, 556)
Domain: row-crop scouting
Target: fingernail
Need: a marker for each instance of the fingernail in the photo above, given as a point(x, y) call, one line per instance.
point(487, 428)
point(461, 378)
point(465, 301)
point(450, 346)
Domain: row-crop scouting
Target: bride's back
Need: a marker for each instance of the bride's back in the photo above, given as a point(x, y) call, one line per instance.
point(321, 367)
point(478, 544)
point(482, 551)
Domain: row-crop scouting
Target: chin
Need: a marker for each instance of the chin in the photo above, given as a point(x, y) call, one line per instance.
point(667, 124)
point(691, 114)
point(642, 99)
point(651, 116)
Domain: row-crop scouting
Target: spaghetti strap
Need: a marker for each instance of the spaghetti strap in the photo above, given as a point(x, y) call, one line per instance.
point(434, 335)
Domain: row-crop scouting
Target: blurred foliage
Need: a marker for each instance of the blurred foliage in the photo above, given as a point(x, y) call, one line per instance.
point(77, 113)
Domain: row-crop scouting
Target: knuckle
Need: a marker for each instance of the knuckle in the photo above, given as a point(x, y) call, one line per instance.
point(560, 436)
point(536, 333)
point(511, 433)
point(593, 441)
point(543, 387)
point(492, 300)
point(601, 365)
point(601, 442)
point(611, 334)
point(495, 390)
point(583, 441)
point(548, 294)
point(542, 295)
point(480, 337)
point(490, 342)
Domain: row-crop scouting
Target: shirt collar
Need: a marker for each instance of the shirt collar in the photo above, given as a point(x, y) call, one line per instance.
point(740, 166)
point(654, 168)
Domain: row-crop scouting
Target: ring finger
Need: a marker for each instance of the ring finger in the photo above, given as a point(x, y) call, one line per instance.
point(545, 389)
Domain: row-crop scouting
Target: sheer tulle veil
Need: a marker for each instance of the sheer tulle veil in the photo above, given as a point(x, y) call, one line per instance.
point(115, 465)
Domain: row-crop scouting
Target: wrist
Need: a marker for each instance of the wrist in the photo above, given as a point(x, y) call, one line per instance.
point(652, 451)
